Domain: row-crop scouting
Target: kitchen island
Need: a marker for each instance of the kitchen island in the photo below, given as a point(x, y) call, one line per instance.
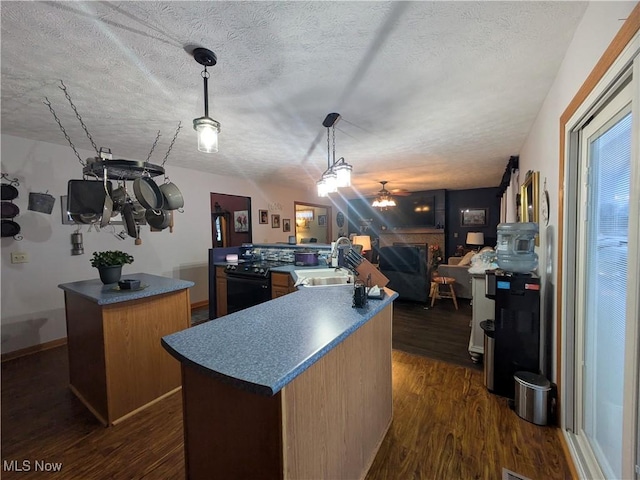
point(116, 363)
point(298, 387)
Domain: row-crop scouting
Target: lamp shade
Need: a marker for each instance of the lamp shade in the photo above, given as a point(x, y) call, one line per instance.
point(475, 238)
point(364, 240)
point(207, 130)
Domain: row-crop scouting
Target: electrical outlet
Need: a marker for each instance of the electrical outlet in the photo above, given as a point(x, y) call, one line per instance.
point(19, 257)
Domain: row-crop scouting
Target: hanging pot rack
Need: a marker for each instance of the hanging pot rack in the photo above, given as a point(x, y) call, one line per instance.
point(119, 169)
point(103, 165)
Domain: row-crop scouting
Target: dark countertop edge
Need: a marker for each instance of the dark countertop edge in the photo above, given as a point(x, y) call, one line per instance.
point(179, 284)
point(260, 389)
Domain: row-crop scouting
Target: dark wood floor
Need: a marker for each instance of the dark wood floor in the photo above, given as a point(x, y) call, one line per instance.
point(441, 333)
point(445, 426)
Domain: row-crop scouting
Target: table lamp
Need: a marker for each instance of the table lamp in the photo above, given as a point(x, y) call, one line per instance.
point(364, 241)
point(475, 238)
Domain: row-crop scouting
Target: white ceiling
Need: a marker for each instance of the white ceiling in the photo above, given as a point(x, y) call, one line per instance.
point(432, 94)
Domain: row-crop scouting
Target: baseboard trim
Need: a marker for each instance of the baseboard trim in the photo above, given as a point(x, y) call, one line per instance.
point(41, 347)
point(196, 305)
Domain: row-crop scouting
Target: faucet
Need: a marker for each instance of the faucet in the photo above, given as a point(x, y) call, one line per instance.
point(334, 252)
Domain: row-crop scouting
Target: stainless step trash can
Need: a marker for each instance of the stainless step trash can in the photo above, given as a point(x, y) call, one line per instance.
point(489, 339)
point(532, 397)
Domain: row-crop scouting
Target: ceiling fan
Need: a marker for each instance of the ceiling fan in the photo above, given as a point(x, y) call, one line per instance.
point(383, 199)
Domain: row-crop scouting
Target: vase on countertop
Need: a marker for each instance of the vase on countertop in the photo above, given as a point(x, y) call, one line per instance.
point(110, 274)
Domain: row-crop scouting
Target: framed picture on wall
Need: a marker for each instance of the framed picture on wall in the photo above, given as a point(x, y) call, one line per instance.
point(275, 221)
point(473, 217)
point(286, 224)
point(322, 220)
point(241, 221)
point(264, 216)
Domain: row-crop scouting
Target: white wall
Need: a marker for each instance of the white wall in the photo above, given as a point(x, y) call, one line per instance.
point(32, 304)
point(601, 22)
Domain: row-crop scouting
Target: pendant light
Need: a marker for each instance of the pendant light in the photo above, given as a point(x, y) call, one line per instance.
point(206, 127)
point(384, 199)
point(337, 174)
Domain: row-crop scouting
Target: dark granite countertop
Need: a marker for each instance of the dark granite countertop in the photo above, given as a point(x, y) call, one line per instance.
point(102, 294)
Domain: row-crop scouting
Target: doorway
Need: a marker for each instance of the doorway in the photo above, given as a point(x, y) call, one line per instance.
point(313, 223)
point(601, 341)
point(230, 220)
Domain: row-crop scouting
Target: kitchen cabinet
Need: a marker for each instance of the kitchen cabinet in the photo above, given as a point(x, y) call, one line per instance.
point(483, 308)
point(221, 292)
point(117, 365)
point(281, 284)
point(258, 408)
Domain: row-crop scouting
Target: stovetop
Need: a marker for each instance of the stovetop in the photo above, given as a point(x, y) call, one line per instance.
point(253, 269)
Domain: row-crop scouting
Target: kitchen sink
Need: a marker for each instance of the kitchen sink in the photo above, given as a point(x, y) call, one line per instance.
point(323, 277)
point(323, 281)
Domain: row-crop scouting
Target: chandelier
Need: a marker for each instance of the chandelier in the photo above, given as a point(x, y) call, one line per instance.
point(384, 199)
point(338, 173)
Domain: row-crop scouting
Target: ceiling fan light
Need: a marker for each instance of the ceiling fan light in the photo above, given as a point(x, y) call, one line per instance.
point(207, 130)
point(384, 199)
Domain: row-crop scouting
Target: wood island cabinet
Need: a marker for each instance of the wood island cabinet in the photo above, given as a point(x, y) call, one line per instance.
point(281, 284)
point(117, 365)
point(221, 292)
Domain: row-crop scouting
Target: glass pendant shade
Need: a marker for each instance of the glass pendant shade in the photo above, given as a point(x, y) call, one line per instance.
point(207, 130)
point(330, 181)
point(322, 189)
point(343, 173)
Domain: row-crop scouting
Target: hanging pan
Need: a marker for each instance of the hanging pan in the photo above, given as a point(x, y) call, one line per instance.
point(107, 206)
point(129, 221)
point(148, 193)
point(9, 210)
point(8, 191)
point(159, 219)
point(171, 194)
point(10, 228)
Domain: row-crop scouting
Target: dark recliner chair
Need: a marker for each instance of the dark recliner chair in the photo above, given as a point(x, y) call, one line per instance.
point(407, 270)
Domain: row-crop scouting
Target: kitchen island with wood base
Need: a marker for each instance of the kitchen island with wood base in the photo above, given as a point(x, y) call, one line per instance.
point(116, 363)
point(295, 388)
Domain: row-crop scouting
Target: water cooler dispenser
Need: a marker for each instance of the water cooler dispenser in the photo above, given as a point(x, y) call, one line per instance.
point(516, 335)
point(516, 292)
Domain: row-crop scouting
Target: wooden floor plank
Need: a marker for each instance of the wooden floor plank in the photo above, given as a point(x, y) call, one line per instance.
point(446, 425)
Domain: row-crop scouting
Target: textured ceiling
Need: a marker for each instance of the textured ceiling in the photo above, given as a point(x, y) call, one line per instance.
point(432, 94)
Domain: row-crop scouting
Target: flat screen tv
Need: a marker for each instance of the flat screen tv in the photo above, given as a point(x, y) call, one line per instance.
point(414, 210)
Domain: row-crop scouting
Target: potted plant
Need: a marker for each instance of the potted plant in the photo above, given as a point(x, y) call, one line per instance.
point(109, 264)
point(436, 258)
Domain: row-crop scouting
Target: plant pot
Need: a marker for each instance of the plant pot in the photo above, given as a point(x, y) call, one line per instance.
point(110, 274)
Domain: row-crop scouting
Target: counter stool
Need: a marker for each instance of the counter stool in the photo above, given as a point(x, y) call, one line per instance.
point(436, 292)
